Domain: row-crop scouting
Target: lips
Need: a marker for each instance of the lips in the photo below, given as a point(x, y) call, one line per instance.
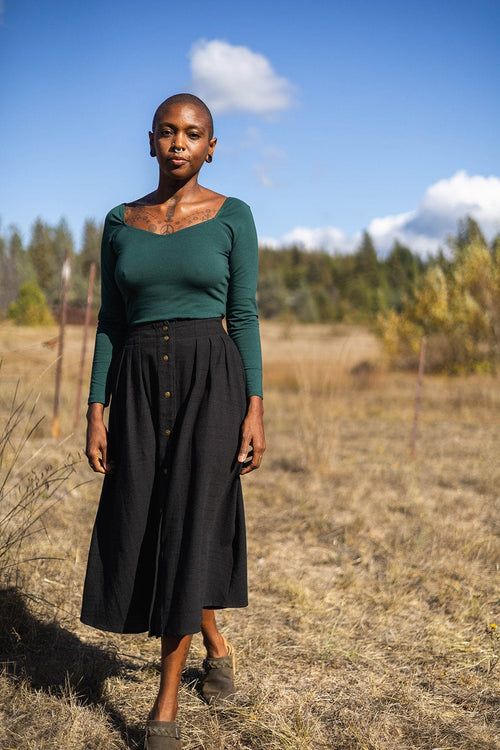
point(177, 161)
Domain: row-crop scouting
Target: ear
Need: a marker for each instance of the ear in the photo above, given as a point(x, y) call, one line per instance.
point(211, 148)
point(152, 151)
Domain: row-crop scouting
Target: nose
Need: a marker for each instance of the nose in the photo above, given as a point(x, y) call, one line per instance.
point(179, 141)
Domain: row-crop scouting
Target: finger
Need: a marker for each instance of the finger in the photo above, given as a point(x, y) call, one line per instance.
point(256, 460)
point(244, 449)
point(96, 464)
point(253, 464)
point(104, 457)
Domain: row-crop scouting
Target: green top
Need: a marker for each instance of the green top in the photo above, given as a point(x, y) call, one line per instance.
point(205, 270)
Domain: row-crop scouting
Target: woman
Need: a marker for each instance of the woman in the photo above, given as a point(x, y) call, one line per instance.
point(186, 416)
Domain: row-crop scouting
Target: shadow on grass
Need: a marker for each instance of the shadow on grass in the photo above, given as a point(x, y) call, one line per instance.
point(52, 659)
point(191, 678)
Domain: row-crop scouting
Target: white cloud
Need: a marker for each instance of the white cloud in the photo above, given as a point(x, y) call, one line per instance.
point(231, 78)
point(264, 178)
point(426, 228)
point(331, 239)
point(449, 200)
point(328, 238)
point(446, 202)
point(271, 157)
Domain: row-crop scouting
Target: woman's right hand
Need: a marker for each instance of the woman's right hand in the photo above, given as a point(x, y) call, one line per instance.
point(96, 449)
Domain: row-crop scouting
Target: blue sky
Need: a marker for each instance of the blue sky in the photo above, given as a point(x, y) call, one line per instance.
point(331, 117)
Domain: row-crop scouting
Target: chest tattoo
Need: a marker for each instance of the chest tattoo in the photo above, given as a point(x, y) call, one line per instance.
point(148, 218)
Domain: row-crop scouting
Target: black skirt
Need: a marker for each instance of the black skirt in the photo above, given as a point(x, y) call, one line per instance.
point(169, 537)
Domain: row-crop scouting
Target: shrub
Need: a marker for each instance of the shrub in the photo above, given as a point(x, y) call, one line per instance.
point(30, 308)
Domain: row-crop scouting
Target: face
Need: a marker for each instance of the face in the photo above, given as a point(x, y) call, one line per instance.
point(181, 141)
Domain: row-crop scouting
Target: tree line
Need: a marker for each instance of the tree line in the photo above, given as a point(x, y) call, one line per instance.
point(452, 297)
point(308, 286)
point(33, 272)
point(317, 287)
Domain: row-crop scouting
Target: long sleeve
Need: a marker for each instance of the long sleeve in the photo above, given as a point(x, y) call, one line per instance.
point(241, 309)
point(112, 320)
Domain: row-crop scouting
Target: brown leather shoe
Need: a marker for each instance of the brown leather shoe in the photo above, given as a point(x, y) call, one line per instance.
point(162, 735)
point(217, 684)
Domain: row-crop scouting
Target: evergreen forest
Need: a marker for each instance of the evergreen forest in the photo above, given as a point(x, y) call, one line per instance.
point(452, 298)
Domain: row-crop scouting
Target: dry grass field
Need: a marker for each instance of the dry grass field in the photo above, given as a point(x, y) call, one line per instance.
point(374, 615)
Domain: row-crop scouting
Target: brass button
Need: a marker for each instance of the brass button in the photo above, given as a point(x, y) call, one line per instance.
point(165, 357)
point(166, 338)
point(167, 432)
point(165, 471)
point(165, 328)
point(167, 394)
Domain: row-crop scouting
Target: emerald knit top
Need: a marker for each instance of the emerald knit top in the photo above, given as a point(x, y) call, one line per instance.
point(205, 270)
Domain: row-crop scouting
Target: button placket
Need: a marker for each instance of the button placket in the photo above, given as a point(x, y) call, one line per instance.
point(166, 383)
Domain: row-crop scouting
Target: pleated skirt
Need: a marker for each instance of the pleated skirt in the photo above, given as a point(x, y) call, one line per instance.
point(169, 536)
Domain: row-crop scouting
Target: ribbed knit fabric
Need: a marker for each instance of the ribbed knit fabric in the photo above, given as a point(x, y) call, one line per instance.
point(202, 271)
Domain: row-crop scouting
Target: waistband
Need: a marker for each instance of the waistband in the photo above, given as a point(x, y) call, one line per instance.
point(177, 328)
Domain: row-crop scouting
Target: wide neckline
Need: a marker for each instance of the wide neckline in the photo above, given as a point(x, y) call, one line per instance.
point(182, 229)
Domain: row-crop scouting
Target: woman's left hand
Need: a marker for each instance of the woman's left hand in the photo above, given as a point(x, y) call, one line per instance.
point(252, 435)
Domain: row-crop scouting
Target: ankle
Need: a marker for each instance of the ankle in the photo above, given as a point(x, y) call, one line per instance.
point(215, 645)
point(163, 710)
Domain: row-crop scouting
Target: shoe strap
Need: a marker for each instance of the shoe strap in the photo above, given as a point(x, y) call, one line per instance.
point(163, 729)
point(219, 663)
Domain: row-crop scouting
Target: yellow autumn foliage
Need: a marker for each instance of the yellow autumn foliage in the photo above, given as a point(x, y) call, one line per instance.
point(457, 310)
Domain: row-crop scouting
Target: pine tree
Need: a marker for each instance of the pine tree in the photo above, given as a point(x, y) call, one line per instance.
point(403, 270)
point(47, 250)
point(62, 244)
point(91, 248)
point(89, 253)
point(41, 252)
point(469, 233)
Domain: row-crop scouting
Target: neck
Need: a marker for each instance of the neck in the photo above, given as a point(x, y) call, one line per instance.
point(167, 189)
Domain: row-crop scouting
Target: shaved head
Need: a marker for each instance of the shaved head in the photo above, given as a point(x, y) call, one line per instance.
point(193, 101)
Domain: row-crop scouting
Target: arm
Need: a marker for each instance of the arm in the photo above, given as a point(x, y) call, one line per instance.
point(97, 440)
point(109, 336)
point(252, 434)
point(243, 327)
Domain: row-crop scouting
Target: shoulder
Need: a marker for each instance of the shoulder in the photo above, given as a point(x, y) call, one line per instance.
point(237, 216)
point(112, 223)
point(237, 203)
point(114, 220)
point(237, 209)
point(115, 215)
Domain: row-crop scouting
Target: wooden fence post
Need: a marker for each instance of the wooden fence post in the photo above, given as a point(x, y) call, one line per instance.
point(421, 367)
point(66, 271)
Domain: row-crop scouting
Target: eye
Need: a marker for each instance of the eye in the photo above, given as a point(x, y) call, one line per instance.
point(194, 136)
point(165, 132)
